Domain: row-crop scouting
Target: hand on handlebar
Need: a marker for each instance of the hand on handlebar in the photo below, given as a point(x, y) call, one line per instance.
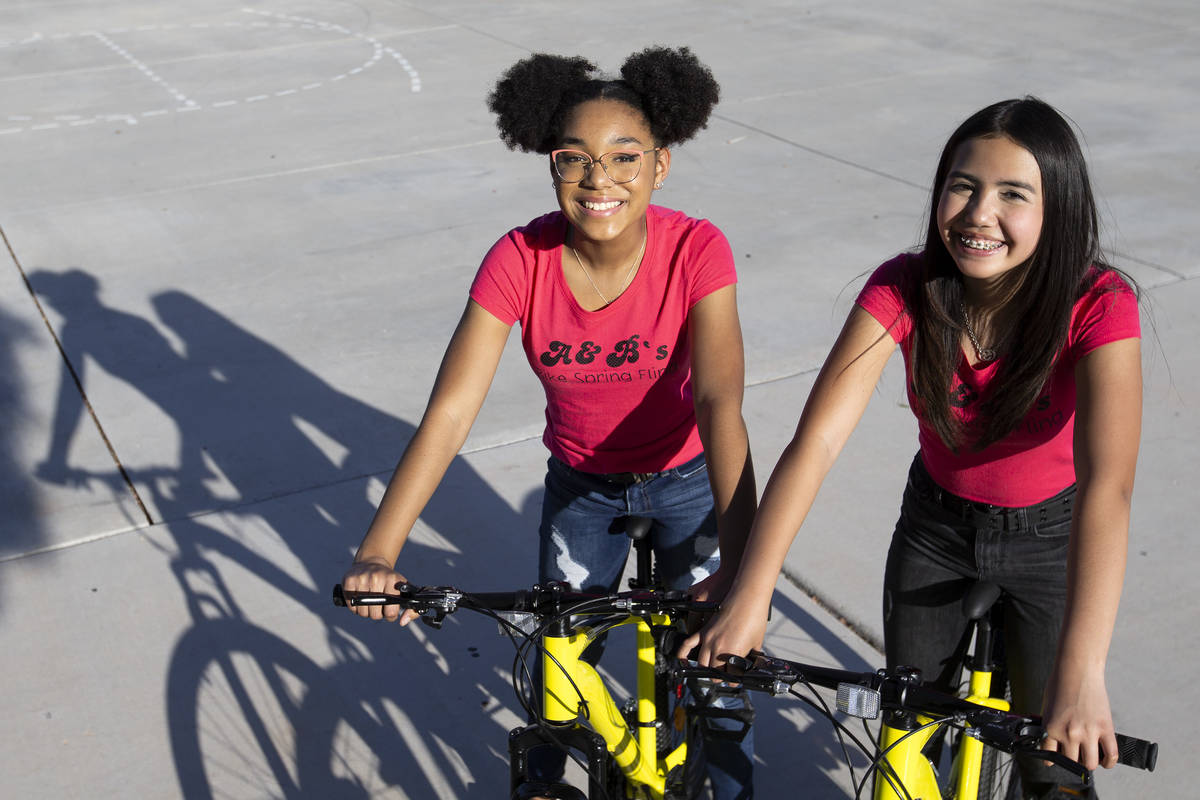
point(372, 575)
point(733, 631)
point(1078, 721)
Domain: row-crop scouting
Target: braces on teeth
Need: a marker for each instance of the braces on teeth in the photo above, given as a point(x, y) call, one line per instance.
point(980, 244)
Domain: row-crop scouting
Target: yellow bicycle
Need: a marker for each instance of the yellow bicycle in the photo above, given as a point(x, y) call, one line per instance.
point(639, 749)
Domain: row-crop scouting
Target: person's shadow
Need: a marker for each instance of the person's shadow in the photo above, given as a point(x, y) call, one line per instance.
point(23, 530)
point(286, 461)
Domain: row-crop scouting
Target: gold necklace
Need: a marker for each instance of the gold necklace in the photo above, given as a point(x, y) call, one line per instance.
point(982, 353)
point(628, 275)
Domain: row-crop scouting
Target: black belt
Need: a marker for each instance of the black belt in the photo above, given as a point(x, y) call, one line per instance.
point(986, 514)
point(630, 478)
point(625, 478)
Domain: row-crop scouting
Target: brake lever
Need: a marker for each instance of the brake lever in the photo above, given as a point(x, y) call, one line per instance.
point(1001, 736)
point(739, 670)
point(1069, 764)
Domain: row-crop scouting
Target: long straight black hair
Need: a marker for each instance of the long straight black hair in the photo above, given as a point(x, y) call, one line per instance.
point(1046, 286)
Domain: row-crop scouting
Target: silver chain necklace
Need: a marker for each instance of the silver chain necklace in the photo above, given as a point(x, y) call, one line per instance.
point(982, 353)
point(628, 275)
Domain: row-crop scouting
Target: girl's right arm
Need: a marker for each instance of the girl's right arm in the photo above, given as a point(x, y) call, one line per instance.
point(462, 383)
point(836, 403)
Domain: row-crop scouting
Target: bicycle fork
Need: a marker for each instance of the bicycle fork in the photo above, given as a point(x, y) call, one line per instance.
point(969, 761)
point(574, 691)
point(902, 739)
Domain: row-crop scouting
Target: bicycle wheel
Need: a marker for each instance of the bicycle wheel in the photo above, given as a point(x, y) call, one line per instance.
point(998, 778)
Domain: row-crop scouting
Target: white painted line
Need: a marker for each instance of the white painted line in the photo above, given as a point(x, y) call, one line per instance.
point(414, 77)
point(116, 48)
point(186, 104)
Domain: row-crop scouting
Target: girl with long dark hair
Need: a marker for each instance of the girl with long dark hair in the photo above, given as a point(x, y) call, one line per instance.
point(628, 317)
point(1022, 353)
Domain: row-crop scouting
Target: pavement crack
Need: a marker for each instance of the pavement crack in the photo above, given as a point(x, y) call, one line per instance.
point(821, 153)
point(74, 375)
point(833, 609)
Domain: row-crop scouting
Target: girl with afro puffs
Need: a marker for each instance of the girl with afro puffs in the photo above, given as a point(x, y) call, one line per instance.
point(628, 317)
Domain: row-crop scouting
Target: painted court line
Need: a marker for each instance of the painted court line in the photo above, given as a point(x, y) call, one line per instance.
point(141, 67)
point(185, 103)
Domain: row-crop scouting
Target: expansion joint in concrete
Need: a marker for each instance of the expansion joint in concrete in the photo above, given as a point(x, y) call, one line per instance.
point(842, 616)
point(70, 368)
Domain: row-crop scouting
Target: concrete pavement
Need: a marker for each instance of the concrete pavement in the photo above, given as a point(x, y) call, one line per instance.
point(238, 236)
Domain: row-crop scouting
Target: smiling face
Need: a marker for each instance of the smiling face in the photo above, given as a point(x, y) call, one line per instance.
point(599, 210)
point(990, 209)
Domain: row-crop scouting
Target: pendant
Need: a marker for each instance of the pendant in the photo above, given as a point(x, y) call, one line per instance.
point(986, 354)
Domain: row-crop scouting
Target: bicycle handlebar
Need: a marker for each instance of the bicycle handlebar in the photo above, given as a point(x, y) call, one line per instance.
point(864, 694)
point(861, 694)
point(433, 603)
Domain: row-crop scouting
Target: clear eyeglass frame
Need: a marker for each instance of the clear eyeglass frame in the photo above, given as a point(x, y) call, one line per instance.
point(606, 162)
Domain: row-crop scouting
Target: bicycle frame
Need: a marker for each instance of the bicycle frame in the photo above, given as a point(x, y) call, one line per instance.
point(902, 744)
point(573, 691)
point(908, 765)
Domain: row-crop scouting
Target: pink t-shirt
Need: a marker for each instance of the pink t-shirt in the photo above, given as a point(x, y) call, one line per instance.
point(1035, 461)
point(617, 380)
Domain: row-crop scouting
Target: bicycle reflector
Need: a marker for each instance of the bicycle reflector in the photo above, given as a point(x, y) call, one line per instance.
point(858, 701)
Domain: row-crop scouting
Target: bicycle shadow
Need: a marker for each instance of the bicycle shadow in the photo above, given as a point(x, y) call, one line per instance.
point(259, 509)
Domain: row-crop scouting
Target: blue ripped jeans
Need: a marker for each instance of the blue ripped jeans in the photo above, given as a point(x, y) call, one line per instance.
point(583, 542)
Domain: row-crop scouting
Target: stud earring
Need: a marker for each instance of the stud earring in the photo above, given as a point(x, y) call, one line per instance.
point(658, 185)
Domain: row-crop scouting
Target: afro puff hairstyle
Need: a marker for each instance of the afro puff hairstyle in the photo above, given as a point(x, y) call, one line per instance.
point(669, 87)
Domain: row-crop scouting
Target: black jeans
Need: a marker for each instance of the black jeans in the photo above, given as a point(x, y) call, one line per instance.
point(942, 544)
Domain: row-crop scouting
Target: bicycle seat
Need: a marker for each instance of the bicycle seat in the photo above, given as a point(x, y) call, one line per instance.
point(637, 527)
point(979, 599)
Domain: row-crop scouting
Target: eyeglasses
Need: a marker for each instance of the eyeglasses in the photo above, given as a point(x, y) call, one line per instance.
point(621, 166)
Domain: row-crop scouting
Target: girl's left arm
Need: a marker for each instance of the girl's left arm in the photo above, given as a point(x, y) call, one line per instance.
point(1108, 423)
point(718, 379)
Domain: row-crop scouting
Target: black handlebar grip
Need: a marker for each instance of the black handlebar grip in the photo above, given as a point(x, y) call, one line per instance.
point(339, 599)
point(1136, 752)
